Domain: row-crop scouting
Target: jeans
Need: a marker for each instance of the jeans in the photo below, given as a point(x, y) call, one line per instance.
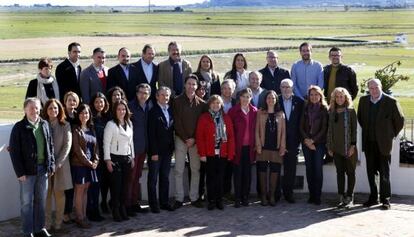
point(33, 193)
point(314, 169)
point(160, 168)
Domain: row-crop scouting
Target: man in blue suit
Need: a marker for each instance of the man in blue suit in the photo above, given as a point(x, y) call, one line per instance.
point(292, 106)
point(147, 70)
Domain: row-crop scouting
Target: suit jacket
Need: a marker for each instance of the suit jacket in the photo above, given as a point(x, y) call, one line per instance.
point(293, 136)
point(117, 77)
point(345, 77)
point(165, 74)
point(67, 79)
point(141, 78)
point(160, 133)
point(389, 122)
point(90, 84)
point(270, 82)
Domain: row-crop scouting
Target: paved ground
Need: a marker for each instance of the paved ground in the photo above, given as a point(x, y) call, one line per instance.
point(293, 220)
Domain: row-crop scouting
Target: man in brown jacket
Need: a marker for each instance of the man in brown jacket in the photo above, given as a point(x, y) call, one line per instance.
point(173, 71)
point(381, 119)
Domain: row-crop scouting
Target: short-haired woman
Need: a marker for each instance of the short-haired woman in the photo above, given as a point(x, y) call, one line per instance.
point(341, 142)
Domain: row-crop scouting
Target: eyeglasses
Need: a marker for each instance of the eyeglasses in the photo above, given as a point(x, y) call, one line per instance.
point(50, 67)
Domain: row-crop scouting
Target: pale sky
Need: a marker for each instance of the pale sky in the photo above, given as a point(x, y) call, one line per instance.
point(101, 2)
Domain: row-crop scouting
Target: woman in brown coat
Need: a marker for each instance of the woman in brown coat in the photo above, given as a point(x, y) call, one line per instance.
point(270, 145)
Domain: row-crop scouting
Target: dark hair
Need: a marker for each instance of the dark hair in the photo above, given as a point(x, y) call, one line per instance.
point(127, 114)
point(98, 50)
point(276, 107)
point(143, 85)
point(147, 46)
point(99, 95)
point(44, 62)
point(191, 76)
point(173, 43)
point(334, 49)
point(304, 44)
point(123, 48)
point(79, 110)
point(245, 91)
point(201, 59)
point(233, 67)
point(73, 44)
point(111, 92)
point(61, 115)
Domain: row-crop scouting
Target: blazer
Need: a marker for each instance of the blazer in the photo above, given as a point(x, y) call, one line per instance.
point(117, 77)
point(141, 78)
point(160, 133)
point(62, 142)
point(345, 77)
point(79, 149)
point(165, 74)
point(317, 133)
point(389, 121)
point(67, 79)
point(139, 121)
point(117, 140)
point(239, 127)
point(270, 82)
point(260, 133)
point(293, 136)
point(206, 137)
point(23, 148)
point(90, 84)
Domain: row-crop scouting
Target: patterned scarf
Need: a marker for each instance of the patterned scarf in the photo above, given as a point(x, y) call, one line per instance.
point(221, 135)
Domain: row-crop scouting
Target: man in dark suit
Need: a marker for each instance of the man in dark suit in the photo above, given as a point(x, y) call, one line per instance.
point(160, 150)
point(147, 70)
point(292, 106)
point(123, 75)
point(173, 71)
point(337, 74)
point(381, 119)
point(93, 78)
point(272, 73)
point(68, 72)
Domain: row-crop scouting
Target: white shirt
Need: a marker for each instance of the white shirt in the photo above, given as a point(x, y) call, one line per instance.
point(242, 81)
point(376, 101)
point(164, 109)
point(125, 68)
point(148, 70)
point(76, 66)
point(227, 106)
point(256, 96)
point(272, 71)
point(287, 104)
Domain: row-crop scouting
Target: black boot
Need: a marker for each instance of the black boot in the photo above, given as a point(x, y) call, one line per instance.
point(116, 214)
point(123, 212)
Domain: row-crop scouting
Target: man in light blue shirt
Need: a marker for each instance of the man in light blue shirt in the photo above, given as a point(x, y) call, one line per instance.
point(306, 72)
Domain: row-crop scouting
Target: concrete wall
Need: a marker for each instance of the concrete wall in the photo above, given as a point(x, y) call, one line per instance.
point(401, 177)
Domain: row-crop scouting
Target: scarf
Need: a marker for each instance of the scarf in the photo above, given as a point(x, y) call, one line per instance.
point(208, 77)
point(221, 135)
point(41, 91)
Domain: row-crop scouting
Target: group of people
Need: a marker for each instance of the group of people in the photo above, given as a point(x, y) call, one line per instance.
point(87, 132)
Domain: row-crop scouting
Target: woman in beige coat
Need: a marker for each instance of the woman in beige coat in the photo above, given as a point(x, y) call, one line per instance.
point(62, 179)
point(270, 146)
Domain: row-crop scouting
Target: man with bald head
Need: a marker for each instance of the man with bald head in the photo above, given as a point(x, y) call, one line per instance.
point(124, 74)
point(381, 119)
point(272, 73)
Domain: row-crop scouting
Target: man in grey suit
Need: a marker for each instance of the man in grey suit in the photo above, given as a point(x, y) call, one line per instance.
point(93, 78)
point(171, 72)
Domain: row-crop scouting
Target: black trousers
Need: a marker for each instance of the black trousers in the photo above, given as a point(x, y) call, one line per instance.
point(228, 175)
point(215, 167)
point(104, 180)
point(378, 165)
point(242, 175)
point(287, 182)
point(202, 183)
point(160, 168)
point(119, 179)
point(345, 165)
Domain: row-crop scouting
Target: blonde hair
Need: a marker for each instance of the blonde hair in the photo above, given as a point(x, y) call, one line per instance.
point(348, 98)
point(318, 90)
point(215, 98)
point(74, 95)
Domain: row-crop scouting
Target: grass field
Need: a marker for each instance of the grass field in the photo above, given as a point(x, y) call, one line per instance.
point(28, 35)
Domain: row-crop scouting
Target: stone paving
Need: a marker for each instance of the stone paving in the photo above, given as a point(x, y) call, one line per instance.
point(293, 220)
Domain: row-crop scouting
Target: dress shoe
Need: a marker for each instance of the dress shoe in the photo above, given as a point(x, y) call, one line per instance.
point(177, 204)
point(198, 203)
point(116, 215)
point(131, 212)
point(386, 205)
point(137, 208)
point(82, 224)
point(167, 207)
point(211, 206)
point(317, 201)
point(237, 204)
point(290, 199)
point(124, 214)
point(104, 207)
point(370, 203)
point(245, 202)
point(219, 205)
point(310, 200)
point(42, 233)
point(155, 209)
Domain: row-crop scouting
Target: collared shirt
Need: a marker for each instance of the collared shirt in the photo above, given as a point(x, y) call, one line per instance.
point(227, 106)
point(375, 101)
point(305, 75)
point(242, 81)
point(148, 70)
point(76, 66)
point(125, 68)
point(98, 69)
point(256, 96)
point(287, 104)
point(164, 109)
point(272, 70)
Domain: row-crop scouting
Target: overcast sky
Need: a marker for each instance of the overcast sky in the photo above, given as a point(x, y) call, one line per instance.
point(101, 2)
